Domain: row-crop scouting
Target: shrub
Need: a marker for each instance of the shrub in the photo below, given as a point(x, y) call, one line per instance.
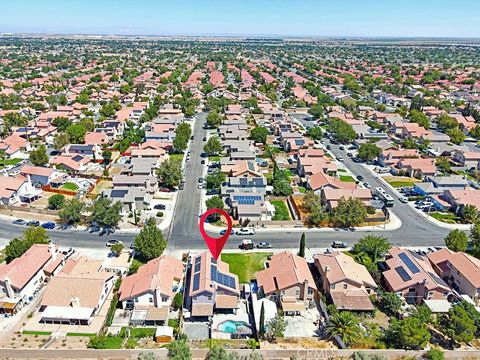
point(159, 214)
point(434, 354)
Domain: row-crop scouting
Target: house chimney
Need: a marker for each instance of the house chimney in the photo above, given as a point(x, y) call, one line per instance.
point(75, 302)
point(8, 288)
point(52, 251)
point(305, 289)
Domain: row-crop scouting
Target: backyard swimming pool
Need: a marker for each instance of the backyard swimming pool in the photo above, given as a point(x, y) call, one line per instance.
point(232, 327)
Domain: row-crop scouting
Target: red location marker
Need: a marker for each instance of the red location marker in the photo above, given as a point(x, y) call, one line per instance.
point(215, 244)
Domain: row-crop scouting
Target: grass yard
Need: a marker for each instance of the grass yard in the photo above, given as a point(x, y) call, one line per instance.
point(281, 211)
point(448, 218)
point(342, 170)
point(28, 332)
point(9, 162)
point(178, 157)
point(69, 186)
point(80, 334)
point(302, 189)
point(113, 342)
point(138, 333)
point(245, 265)
point(214, 158)
point(398, 182)
point(346, 178)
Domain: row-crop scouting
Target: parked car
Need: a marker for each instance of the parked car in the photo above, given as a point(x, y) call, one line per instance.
point(359, 177)
point(200, 180)
point(200, 186)
point(403, 199)
point(112, 242)
point(246, 231)
point(106, 230)
point(33, 223)
point(247, 244)
point(264, 245)
point(160, 207)
point(366, 184)
point(341, 159)
point(164, 190)
point(349, 154)
point(48, 225)
point(342, 147)
point(202, 162)
point(224, 231)
point(19, 222)
point(329, 147)
point(204, 139)
point(181, 187)
point(339, 245)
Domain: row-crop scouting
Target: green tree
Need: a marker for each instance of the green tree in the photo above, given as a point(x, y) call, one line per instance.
point(315, 133)
point(60, 139)
point(456, 240)
point(116, 249)
point(107, 156)
point(420, 118)
point(445, 122)
point(215, 180)
point(214, 119)
point(301, 251)
point(345, 325)
point(276, 327)
point(169, 173)
point(373, 246)
point(62, 123)
point(215, 202)
point(443, 164)
point(76, 133)
point(316, 111)
point(349, 212)
point(317, 215)
point(341, 131)
point(261, 325)
point(179, 350)
point(423, 313)
point(150, 243)
point(105, 212)
point(408, 333)
point(18, 246)
point(434, 354)
point(56, 201)
point(182, 135)
point(213, 146)
point(39, 156)
point(390, 303)
point(281, 182)
point(259, 134)
point(368, 152)
point(470, 214)
point(458, 325)
point(71, 212)
point(456, 135)
point(475, 235)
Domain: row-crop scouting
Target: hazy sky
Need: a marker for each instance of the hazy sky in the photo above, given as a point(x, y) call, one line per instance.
point(437, 18)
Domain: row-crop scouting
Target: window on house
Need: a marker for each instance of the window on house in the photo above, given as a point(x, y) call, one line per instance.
point(209, 297)
point(136, 299)
point(297, 292)
point(310, 291)
point(332, 286)
point(283, 292)
point(164, 298)
point(150, 299)
point(345, 286)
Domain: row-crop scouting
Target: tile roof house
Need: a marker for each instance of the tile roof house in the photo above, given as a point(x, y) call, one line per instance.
point(77, 293)
point(348, 283)
point(147, 182)
point(418, 168)
point(412, 277)
point(20, 278)
point(461, 271)
point(458, 199)
point(153, 287)
point(392, 156)
point(211, 286)
point(16, 189)
point(287, 280)
point(467, 159)
point(330, 197)
point(321, 180)
point(73, 162)
point(38, 174)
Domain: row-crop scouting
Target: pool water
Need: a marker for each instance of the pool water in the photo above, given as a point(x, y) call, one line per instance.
point(230, 326)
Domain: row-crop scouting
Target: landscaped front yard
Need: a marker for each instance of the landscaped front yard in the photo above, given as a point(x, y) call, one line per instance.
point(346, 178)
point(245, 265)
point(448, 218)
point(281, 211)
point(69, 186)
point(9, 162)
point(178, 157)
point(400, 181)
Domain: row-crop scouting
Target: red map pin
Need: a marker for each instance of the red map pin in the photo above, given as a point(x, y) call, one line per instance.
point(215, 244)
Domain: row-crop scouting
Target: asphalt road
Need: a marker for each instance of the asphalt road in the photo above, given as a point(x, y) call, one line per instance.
point(184, 233)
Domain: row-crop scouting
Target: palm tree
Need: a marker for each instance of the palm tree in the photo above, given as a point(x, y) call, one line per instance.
point(345, 325)
point(470, 214)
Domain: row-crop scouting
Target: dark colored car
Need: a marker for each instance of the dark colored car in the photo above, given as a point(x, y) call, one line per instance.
point(359, 177)
point(19, 222)
point(159, 207)
point(224, 231)
point(48, 225)
point(33, 223)
point(264, 245)
point(339, 245)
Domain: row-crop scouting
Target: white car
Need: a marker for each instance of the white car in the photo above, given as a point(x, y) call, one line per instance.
point(403, 199)
point(246, 231)
point(200, 186)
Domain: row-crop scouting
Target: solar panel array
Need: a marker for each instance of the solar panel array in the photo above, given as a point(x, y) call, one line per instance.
point(413, 268)
point(222, 279)
point(246, 200)
point(402, 273)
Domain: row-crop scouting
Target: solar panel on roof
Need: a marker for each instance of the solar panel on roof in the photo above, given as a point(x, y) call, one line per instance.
point(413, 268)
point(118, 193)
point(402, 273)
point(77, 158)
point(196, 282)
point(220, 278)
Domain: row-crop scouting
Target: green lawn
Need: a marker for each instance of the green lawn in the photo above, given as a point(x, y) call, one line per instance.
point(302, 189)
point(281, 210)
point(398, 183)
point(214, 158)
point(138, 332)
point(28, 332)
point(10, 162)
point(342, 170)
point(449, 218)
point(113, 342)
point(178, 157)
point(80, 334)
point(69, 186)
point(346, 178)
point(245, 265)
